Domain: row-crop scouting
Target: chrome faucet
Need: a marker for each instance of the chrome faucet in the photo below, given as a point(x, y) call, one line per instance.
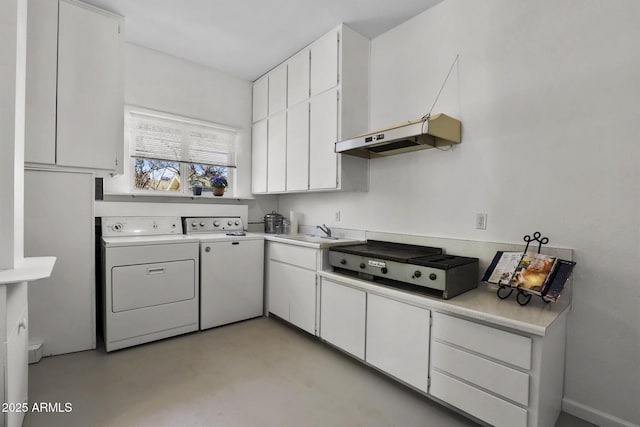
point(326, 230)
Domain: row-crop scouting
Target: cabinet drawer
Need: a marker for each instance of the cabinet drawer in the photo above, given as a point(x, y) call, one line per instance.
point(489, 375)
point(484, 406)
point(495, 343)
point(291, 254)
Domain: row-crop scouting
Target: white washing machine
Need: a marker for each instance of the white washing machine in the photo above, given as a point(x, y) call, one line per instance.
point(231, 270)
point(150, 273)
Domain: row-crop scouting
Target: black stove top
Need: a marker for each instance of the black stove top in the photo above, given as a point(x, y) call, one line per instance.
point(398, 252)
point(443, 262)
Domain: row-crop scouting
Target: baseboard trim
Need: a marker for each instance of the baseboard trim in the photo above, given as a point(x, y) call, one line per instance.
point(593, 415)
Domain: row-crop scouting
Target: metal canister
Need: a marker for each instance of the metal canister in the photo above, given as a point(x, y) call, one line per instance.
point(273, 223)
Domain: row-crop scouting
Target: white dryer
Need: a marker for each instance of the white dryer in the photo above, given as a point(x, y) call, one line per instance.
point(231, 270)
point(150, 280)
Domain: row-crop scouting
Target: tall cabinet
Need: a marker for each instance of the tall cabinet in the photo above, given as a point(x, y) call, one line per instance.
point(75, 87)
point(302, 107)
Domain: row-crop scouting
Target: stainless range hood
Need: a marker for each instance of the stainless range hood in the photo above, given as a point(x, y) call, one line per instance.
point(436, 130)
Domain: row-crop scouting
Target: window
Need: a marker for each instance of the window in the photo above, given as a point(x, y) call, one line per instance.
point(173, 154)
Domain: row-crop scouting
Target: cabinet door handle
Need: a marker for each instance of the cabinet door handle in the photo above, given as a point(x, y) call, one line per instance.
point(235, 243)
point(158, 270)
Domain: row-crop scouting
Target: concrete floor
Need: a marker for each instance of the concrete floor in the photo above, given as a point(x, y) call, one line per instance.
point(259, 372)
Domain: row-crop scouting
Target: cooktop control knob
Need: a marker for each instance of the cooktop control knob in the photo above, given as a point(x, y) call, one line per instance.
point(193, 224)
point(216, 223)
point(230, 223)
point(417, 273)
point(117, 226)
point(237, 223)
point(202, 224)
point(433, 276)
point(343, 261)
point(384, 270)
point(362, 265)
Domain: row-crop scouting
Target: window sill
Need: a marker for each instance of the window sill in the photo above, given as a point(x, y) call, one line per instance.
point(205, 198)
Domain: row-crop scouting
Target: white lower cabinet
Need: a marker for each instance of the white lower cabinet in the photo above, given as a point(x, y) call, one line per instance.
point(398, 340)
point(501, 376)
point(291, 284)
point(343, 317)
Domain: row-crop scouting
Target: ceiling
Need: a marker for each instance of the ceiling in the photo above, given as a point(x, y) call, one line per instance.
point(246, 38)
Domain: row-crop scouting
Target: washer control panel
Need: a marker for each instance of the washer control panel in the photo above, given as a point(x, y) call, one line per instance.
point(213, 224)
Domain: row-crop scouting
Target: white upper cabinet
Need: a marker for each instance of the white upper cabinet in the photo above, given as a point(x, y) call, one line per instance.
point(90, 123)
point(259, 157)
point(260, 99)
point(324, 62)
point(336, 64)
point(277, 153)
point(298, 78)
point(42, 69)
point(323, 125)
point(75, 87)
point(278, 89)
point(298, 147)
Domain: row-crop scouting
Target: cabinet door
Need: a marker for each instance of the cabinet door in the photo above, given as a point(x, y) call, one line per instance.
point(323, 134)
point(298, 78)
point(278, 282)
point(342, 317)
point(17, 358)
point(324, 63)
point(260, 99)
point(278, 89)
point(259, 157)
point(42, 72)
point(398, 340)
point(90, 88)
point(277, 153)
point(298, 147)
point(302, 302)
point(230, 291)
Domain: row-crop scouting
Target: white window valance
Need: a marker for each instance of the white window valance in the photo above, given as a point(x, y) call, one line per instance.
point(162, 136)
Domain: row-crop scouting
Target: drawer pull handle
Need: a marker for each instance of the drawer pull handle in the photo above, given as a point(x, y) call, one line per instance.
point(159, 270)
point(235, 243)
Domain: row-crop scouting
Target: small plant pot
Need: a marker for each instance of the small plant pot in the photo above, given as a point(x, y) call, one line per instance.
point(218, 191)
point(197, 191)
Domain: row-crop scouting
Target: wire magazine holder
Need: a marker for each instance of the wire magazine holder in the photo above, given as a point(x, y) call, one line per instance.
point(530, 273)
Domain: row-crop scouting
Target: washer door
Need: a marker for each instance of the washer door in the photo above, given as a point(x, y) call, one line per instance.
point(146, 285)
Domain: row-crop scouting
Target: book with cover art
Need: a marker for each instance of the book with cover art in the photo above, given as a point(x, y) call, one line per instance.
point(533, 272)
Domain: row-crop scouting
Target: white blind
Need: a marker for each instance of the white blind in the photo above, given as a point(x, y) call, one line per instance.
point(165, 137)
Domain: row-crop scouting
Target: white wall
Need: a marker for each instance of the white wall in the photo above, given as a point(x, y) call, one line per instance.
point(12, 103)
point(166, 83)
point(548, 93)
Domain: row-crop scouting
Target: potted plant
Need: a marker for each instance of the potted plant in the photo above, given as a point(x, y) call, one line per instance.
point(219, 183)
point(196, 187)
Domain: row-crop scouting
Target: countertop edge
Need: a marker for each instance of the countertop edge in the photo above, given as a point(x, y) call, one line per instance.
point(27, 270)
point(433, 303)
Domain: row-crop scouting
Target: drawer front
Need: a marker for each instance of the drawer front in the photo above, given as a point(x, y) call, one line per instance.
point(495, 343)
point(292, 254)
point(146, 285)
point(478, 403)
point(489, 375)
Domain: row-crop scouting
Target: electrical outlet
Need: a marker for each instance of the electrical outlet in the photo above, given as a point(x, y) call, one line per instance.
point(337, 216)
point(481, 221)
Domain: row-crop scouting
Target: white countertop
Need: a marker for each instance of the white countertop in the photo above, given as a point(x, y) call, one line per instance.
point(27, 270)
point(481, 303)
point(325, 243)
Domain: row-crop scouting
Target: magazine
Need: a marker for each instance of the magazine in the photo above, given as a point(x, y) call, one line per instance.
point(533, 272)
point(504, 265)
